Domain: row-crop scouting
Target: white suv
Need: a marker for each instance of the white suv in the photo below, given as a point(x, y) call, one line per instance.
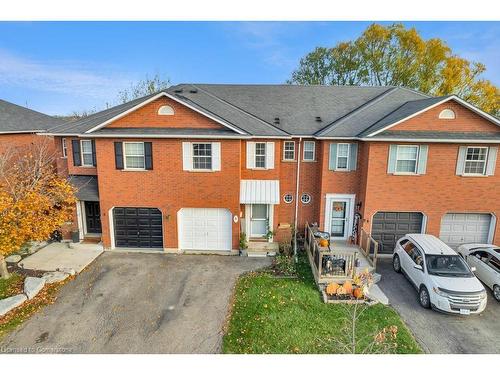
point(443, 280)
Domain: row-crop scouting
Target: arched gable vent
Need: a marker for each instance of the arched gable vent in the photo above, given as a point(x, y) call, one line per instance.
point(447, 114)
point(165, 110)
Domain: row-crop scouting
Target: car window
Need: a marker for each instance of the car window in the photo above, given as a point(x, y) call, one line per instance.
point(481, 255)
point(447, 266)
point(408, 247)
point(417, 257)
point(495, 263)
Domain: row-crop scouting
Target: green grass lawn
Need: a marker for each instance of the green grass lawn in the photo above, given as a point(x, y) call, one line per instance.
point(272, 315)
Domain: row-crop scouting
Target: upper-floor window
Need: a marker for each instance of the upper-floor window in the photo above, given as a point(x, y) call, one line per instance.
point(476, 160)
point(309, 150)
point(260, 155)
point(343, 156)
point(406, 159)
point(134, 157)
point(202, 156)
point(447, 114)
point(86, 151)
point(165, 110)
point(289, 150)
point(64, 148)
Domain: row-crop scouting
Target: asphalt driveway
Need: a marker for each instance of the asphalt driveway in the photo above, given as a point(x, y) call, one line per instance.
point(138, 303)
point(437, 332)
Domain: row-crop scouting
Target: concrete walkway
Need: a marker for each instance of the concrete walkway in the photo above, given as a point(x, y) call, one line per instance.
point(139, 303)
point(58, 255)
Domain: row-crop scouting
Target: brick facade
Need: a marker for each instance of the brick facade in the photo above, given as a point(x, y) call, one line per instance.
point(169, 188)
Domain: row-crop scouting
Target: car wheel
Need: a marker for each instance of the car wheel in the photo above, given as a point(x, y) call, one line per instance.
point(496, 292)
point(424, 298)
point(396, 263)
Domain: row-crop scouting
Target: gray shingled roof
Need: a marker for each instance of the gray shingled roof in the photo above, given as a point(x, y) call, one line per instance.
point(323, 111)
point(14, 118)
point(400, 134)
point(86, 186)
point(405, 109)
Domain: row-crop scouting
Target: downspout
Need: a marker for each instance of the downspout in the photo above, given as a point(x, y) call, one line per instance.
point(296, 204)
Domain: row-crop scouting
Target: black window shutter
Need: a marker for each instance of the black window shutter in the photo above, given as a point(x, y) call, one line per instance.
point(77, 157)
point(148, 155)
point(119, 155)
point(94, 160)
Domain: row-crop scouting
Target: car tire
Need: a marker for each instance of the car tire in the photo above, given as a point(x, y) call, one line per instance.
point(396, 263)
point(424, 298)
point(496, 292)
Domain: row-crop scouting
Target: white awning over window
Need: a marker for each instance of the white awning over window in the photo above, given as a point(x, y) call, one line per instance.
point(260, 191)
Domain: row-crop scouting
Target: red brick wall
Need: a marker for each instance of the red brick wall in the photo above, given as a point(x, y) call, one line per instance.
point(465, 120)
point(72, 169)
point(436, 193)
point(147, 116)
point(20, 140)
point(167, 186)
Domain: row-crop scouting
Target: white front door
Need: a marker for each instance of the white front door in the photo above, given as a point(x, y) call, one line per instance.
point(205, 229)
point(339, 216)
point(259, 220)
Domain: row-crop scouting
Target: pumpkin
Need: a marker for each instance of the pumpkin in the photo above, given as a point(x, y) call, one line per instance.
point(358, 293)
point(348, 287)
point(323, 242)
point(340, 291)
point(331, 288)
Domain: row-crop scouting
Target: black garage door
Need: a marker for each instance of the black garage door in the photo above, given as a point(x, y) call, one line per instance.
point(388, 227)
point(138, 227)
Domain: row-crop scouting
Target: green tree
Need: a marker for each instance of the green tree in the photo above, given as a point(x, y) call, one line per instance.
point(397, 56)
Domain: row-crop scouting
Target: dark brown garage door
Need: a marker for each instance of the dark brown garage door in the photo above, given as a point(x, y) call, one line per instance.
point(138, 227)
point(388, 227)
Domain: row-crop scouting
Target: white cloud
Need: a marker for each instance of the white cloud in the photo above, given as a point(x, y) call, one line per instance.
point(63, 77)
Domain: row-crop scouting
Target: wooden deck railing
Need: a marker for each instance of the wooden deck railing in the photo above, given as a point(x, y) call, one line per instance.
point(328, 265)
point(369, 247)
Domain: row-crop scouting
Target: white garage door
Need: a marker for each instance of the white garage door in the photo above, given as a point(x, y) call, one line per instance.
point(205, 229)
point(457, 229)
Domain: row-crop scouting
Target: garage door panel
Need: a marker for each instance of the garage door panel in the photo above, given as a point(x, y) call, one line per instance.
point(389, 227)
point(138, 227)
point(459, 228)
point(205, 229)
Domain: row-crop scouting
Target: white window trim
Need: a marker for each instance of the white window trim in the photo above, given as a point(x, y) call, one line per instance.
point(313, 151)
point(64, 147)
point(348, 157)
point(168, 108)
point(81, 153)
point(125, 157)
point(284, 149)
point(396, 172)
point(485, 161)
point(193, 169)
point(265, 155)
point(444, 112)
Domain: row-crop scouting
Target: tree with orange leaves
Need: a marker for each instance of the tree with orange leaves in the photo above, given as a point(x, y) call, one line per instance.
point(34, 200)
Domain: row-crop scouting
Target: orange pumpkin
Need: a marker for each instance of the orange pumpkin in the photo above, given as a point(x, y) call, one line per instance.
point(323, 243)
point(331, 289)
point(340, 291)
point(348, 287)
point(358, 293)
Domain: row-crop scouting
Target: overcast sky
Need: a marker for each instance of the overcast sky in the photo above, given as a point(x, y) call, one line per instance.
point(60, 67)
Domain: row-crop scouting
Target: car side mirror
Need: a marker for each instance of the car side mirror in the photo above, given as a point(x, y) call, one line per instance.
point(418, 267)
point(473, 269)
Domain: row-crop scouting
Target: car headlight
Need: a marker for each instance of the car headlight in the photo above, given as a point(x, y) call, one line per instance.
point(482, 295)
point(440, 292)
